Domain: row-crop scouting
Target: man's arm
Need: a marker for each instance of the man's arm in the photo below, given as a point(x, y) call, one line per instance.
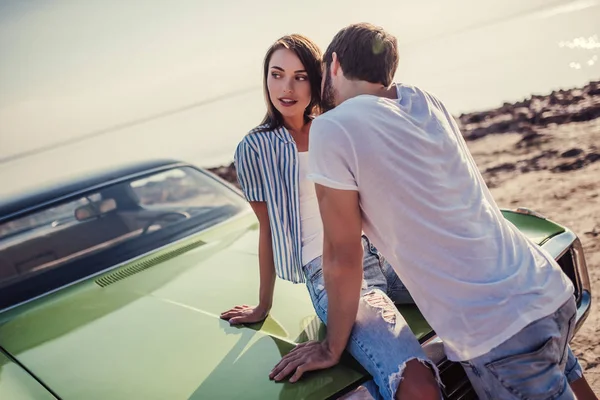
point(334, 164)
point(342, 262)
point(342, 270)
point(332, 160)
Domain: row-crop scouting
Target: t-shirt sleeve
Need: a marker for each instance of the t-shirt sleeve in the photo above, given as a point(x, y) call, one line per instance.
point(249, 173)
point(332, 158)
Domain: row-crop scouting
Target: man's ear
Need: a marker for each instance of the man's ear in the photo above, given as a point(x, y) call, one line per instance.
point(336, 68)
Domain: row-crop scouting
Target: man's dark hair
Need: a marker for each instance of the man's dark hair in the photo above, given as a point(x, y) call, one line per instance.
point(366, 52)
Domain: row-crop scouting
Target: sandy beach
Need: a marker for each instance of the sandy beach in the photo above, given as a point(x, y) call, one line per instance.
point(544, 154)
point(553, 168)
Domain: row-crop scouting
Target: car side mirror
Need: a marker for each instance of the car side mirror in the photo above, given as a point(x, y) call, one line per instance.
point(107, 205)
point(85, 213)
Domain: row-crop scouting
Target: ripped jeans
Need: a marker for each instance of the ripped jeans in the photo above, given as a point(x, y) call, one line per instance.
point(381, 340)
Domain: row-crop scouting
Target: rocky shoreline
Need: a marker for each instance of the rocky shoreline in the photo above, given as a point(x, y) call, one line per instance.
point(529, 118)
point(525, 117)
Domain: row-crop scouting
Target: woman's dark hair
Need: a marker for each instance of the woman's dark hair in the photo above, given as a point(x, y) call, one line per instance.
point(310, 56)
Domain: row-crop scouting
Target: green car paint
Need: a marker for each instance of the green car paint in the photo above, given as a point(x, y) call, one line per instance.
point(151, 329)
point(537, 229)
point(17, 384)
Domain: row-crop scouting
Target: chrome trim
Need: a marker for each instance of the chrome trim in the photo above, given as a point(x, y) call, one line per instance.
point(583, 283)
point(558, 245)
point(583, 310)
point(583, 277)
point(359, 393)
point(528, 211)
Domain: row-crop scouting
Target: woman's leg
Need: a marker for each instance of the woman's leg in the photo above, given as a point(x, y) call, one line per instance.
point(381, 340)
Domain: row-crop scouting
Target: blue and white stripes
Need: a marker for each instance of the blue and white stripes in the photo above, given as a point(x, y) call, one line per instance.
point(267, 170)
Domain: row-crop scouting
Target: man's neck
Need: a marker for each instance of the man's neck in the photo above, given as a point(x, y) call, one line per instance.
point(390, 93)
point(358, 88)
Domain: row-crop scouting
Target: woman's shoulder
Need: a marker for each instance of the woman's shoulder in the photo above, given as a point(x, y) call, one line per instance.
point(264, 128)
point(258, 134)
point(264, 131)
point(254, 138)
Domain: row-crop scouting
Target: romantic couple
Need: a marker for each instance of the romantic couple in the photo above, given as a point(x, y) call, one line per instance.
point(366, 192)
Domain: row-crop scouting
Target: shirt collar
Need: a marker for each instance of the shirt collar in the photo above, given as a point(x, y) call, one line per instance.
point(283, 134)
point(398, 93)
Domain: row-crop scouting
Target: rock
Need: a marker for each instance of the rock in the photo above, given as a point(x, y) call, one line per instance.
point(578, 163)
point(501, 168)
point(592, 157)
point(570, 166)
point(530, 139)
point(558, 107)
point(572, 153)
point(227, 173)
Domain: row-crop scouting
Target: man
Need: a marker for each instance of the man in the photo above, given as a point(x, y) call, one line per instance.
point(390, 160)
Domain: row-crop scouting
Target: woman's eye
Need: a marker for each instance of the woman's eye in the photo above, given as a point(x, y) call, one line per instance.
point(275, 75)
point(302, 77)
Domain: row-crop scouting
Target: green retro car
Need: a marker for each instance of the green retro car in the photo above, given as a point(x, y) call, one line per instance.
point(111, 286)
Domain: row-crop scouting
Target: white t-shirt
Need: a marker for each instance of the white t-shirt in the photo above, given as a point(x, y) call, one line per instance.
point(476, 279)
point(311, 225)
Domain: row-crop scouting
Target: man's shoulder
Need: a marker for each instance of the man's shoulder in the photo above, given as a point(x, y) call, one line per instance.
point(413, 93)
point(343, 113)
point(332, 120)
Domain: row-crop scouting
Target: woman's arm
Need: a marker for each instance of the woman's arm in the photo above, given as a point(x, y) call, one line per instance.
point(265, 257)
point(250, 177)
point(249, 314)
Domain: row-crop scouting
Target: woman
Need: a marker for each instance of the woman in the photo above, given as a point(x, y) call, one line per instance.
point(271, 166)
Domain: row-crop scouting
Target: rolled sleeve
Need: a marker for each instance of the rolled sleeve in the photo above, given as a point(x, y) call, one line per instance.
point(332, 159)
point(249, 173)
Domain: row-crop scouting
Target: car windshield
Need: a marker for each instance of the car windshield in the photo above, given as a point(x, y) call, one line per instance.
point(136, 215)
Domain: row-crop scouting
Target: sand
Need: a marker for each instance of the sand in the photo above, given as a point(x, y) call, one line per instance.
point(567, 191)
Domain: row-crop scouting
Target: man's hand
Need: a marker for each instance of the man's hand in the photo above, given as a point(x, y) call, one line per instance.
point(245, 314)
point(308, 356)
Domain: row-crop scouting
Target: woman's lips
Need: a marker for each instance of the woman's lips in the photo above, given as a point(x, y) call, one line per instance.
point(287, 102)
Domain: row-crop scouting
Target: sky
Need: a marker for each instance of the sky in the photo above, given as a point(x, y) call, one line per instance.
point(182, 79)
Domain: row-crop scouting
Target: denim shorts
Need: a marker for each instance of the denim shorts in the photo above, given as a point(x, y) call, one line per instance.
point(536, 363)
point(381, 340)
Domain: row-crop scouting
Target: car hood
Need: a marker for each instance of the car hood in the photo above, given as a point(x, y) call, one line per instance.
point(151, 329)
point(154, 331)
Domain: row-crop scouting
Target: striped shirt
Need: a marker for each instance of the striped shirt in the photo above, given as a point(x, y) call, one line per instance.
point(266, 163)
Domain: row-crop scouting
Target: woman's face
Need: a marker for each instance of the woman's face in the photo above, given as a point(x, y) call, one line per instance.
point(287, 82)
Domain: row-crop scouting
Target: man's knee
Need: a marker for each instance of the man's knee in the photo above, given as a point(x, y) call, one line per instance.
point(418, 382)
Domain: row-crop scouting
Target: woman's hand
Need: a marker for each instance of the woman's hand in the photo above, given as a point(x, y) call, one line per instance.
point(245, 314)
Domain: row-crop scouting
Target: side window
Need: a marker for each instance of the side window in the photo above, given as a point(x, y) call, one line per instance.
point(140, 213)
point(27, 245)
point(52, 216)
point(180, 188)
point(172, 187)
